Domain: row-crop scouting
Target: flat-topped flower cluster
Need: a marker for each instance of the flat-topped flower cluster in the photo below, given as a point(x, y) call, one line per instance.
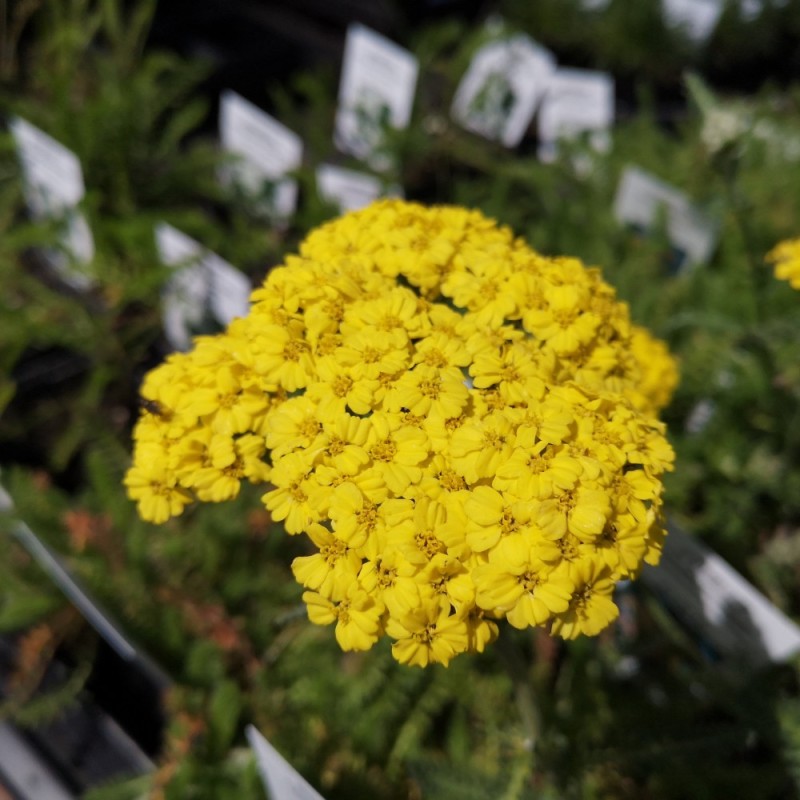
point(464, 429)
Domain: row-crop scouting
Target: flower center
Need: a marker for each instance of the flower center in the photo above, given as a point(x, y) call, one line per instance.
point(367, 516)
point(568, 548)
point(389, 322)
point(228, 400)
point(564, 317)
point(336, 446)
point(582, 597)
point(333, 552)
point(296, 493)
point(309, 428)
point(386, 575)
point(451, 481)
point(510, 374)
point(434, 358)
point(327, 343)
point(493, 440)
point(427, 542)
point(431, 388)
point(294, 349)
point(386, 380)
point(342, 612)
point(609, 534)
point(426, 635)
point(494, 400)
point(528, 581)
point(489, 290)
point(371, 355)
point(566, 502)
point(383, 451)
point(508, 524)
point(537, 464)
point(235, 470)
point(335, 309)
point(341, 385)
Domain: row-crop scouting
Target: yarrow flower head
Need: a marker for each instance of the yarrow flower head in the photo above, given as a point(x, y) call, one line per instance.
point(464, 430)
point(786, 258)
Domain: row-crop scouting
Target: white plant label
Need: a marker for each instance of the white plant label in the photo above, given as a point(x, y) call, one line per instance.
point(185, 297)
point(229, 290)
point(576, 101)
point(53, 187)
point(710, 596)
point(53, 175)
point(697, 17)
point(267, 150)
point(348, 189)
point(750, 9)
point(281, 779)
point(701, 414)
point(499, 93)
point(204, 290)
point(376, 90)
point(78, 241)
point(640, 200)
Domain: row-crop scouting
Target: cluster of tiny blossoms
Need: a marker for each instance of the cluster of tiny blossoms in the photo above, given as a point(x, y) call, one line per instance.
point(464, 429)
point(786, 258)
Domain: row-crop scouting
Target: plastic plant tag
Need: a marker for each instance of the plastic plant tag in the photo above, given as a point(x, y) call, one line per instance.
point(229, 292)
point(53, 187)
point(697, 17)
point(499, 93)
point(346, 188)
point(78, 238)
point(351, 190)
point(53, 175)
point(268, 151)
point(376, 91)
point(576, 101)
point(723, 609)
point(205, 292)
point(700, 415)
point(641, 198)
point(750, 9)
point(281, 779)
point(185, 298)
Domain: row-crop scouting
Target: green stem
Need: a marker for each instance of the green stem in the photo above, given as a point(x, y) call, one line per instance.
point(522, 678)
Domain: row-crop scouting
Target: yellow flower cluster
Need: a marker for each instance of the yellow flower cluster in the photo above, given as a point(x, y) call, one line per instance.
point(786, 258)
point(463, 428)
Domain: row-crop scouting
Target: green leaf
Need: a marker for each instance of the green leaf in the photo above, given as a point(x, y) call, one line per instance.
point(25, 606)
point(225, 708)
point(702, 96)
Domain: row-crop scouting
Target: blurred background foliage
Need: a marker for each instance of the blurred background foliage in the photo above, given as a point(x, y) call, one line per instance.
point(641, 712)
